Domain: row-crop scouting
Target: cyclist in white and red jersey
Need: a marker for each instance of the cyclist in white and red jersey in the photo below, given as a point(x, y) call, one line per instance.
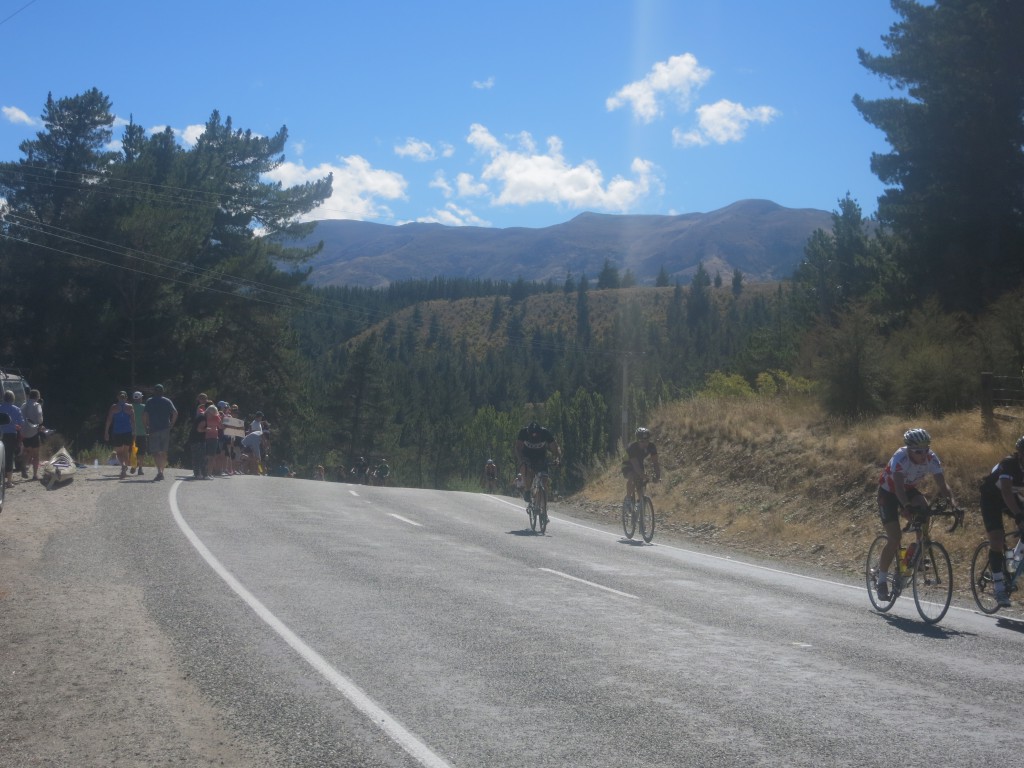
point(898, 493)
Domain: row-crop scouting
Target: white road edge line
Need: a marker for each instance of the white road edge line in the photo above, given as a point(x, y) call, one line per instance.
point(405, 520)
point(379, 716)
point(590, 583)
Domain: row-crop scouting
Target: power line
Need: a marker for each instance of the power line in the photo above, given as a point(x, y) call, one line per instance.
point(26, 5)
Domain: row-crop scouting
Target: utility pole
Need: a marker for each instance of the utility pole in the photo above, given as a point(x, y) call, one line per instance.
point(625, 400)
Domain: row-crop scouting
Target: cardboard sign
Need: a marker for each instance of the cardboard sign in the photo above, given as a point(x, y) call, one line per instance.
point(233, 427)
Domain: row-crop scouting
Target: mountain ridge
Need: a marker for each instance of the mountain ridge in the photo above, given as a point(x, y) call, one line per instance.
point(763, 240)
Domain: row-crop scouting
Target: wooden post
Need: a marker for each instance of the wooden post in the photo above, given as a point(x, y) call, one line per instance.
point(988, 419)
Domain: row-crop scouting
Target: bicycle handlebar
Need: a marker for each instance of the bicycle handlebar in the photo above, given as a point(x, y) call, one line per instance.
point(939, 508)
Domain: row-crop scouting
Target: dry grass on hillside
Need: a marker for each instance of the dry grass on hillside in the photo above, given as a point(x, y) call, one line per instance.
point(779, 478)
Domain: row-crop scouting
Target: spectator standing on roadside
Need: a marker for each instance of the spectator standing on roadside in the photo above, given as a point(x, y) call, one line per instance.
point(11, 435)
point(120, 430)
point(32, 433)
point(159, 415)
point(140, 433)
point(201, 402)
point(212, 439)
point(197, 445)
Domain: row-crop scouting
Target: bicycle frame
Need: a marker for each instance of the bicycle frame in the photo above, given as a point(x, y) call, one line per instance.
point(929, 572)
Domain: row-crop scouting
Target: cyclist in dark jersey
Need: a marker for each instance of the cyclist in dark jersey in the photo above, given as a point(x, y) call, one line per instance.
point(531, 450)
point(1000, 496)
point(636, 452)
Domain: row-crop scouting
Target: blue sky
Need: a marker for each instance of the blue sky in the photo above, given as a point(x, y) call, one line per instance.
point(485, 113)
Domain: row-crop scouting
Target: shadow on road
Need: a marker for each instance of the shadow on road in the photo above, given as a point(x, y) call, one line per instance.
point(918, 627)
point(526, 532)
point(634, 542)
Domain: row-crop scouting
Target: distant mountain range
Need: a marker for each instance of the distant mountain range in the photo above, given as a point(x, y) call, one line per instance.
point(761, 239)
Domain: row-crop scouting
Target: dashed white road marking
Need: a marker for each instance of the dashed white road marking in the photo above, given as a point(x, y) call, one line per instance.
point(591, 584)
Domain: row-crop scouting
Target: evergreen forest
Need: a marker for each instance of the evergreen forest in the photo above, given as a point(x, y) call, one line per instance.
point(155, 262)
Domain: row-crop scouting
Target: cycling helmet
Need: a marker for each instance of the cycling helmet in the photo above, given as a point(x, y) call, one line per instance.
point(917, 438)
point(223, 405)
point(533, 426)
point(491, 461)
point(1019, 445)
point(643, 433)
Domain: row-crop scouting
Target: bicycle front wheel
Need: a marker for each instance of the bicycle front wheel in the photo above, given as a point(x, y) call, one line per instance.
point(871, 571)
point(647, 519)
point(933, 582)
point(628, 518)
point(542, 508)
point(981, 580)
point(532, 512)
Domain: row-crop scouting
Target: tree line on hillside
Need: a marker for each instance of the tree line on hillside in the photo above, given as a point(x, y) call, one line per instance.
point(157, 262)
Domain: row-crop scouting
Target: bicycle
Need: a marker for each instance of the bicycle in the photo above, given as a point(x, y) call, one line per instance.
point(642, 511)
point(924, 564)
point(537, 508)
point(981, 572)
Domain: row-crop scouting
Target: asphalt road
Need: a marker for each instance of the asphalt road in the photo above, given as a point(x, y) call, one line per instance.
point(348, 625)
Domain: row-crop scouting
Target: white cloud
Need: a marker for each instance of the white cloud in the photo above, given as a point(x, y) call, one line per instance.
point(416, 149)
point(470, 187)
point(454, 216)
point(525, 175)
point(16, 116)
point(677, 78)
point(192, 133)
point(440, 181)
point(188, 135)
point(357, 191)
point(722, 122)
point(484, 85)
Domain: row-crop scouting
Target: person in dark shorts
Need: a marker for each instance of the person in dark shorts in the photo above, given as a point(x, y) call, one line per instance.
point(140, 434)
point(119, 430)
point(1001, 492)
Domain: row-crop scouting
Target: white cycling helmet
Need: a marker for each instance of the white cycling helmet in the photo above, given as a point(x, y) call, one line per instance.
point(917, 438)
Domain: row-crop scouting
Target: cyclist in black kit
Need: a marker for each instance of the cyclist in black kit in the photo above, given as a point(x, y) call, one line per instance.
point(531, 450)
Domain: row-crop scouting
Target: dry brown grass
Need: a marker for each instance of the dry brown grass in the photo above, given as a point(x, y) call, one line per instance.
point(779, 478)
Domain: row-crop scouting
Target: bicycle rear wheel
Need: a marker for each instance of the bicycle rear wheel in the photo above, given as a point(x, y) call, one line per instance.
point(933, 582)
point(647, 519)
point(532, 512)
point(981, 580)
point(628, 518)
point(871, 571)
point(542, 508)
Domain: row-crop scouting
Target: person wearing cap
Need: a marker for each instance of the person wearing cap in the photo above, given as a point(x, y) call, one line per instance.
point(252, 445)
point(140, 434)
point(201, 402)
point(159, 416)
point(119, 430)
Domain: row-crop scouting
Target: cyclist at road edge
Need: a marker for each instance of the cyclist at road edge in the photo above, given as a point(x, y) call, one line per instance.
point(999, 496)
point(636, 452)
point(898, 493)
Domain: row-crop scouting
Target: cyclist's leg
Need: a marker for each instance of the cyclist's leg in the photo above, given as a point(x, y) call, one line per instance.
point(527, 470)
point(889, 514)
point(992, 515)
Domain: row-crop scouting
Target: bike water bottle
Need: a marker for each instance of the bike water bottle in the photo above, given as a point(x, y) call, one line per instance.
point(910, 552)
point(903, 560)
